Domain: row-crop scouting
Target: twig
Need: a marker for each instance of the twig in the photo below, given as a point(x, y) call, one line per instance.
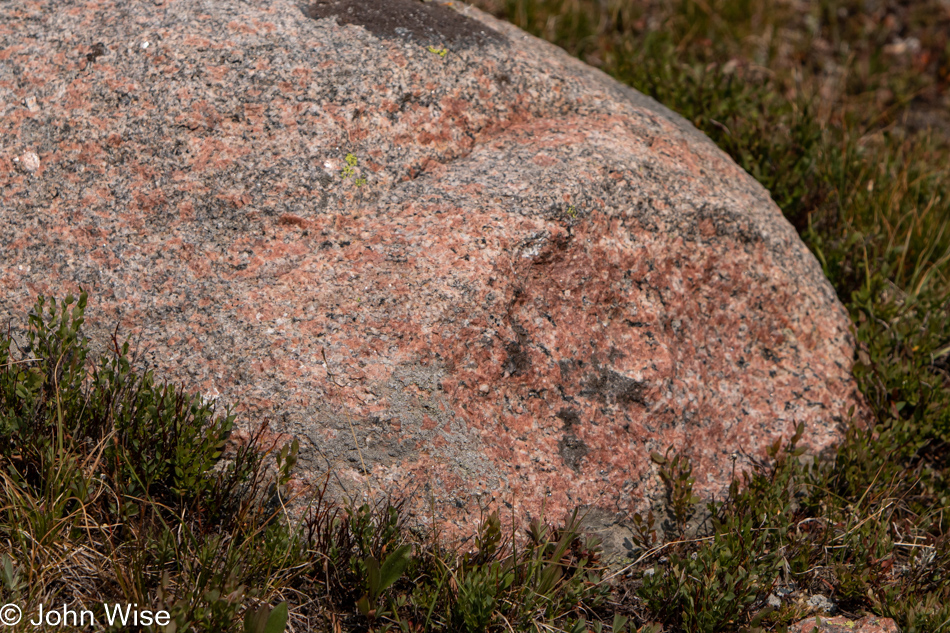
point(23, 360)
point(651, 552)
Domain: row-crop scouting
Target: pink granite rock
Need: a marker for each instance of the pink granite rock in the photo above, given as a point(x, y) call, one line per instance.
point(525, 277)
point(841, 624)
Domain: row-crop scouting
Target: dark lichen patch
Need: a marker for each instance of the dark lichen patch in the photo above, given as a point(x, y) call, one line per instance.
point(608, 386)
point(97, 51)
point(569, 417)
point(518, 360)
point(572, 450)
point(425, 23)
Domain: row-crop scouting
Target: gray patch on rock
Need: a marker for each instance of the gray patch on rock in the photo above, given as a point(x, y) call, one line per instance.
point(377, 446)
point(618, 535)
point(615, 535)
point(380, 445)
point(426, 23)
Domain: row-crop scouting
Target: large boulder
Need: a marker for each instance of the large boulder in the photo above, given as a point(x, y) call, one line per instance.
point(456, 263)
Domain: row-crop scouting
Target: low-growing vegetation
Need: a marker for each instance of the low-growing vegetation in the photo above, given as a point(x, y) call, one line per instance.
point(118, 488)
point(840, 109)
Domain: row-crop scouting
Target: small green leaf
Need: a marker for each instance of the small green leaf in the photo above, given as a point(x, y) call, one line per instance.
point(277, 621)
point(372, 577)
point(393, 567)
point(620, 622)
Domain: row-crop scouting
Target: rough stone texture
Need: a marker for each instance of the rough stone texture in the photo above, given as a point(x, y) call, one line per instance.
point(531, 277)
point(841, 624)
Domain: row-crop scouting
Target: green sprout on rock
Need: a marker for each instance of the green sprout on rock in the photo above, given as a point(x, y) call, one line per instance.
point(349, 170)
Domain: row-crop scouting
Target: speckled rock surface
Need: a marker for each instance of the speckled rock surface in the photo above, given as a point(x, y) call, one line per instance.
point(841, 624)
point(524, 276)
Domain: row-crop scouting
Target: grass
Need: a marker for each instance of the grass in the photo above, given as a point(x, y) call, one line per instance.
point(117, 487)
